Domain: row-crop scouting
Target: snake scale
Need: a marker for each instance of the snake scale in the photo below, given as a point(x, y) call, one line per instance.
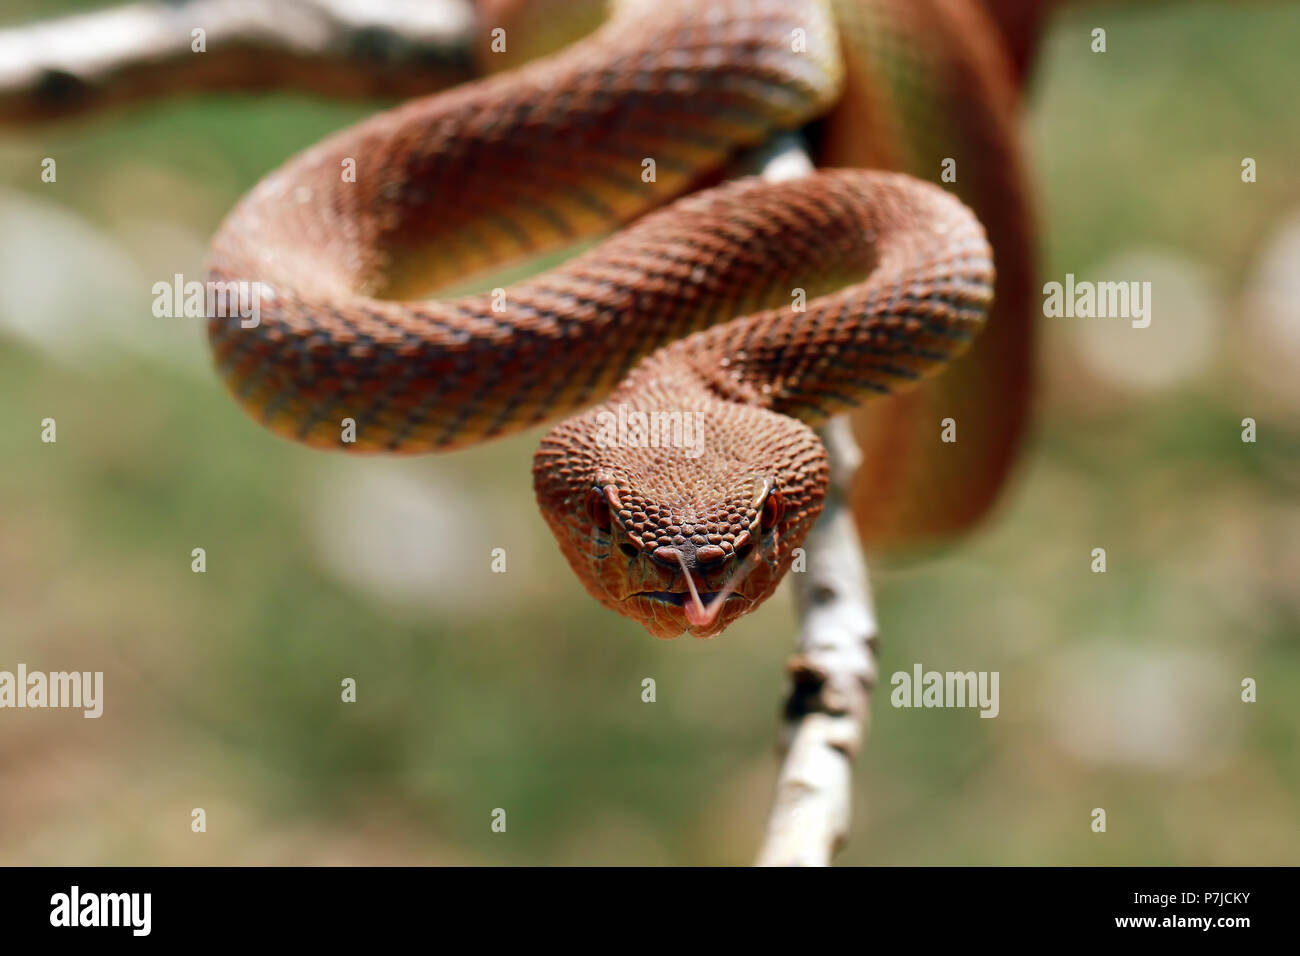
point(691, 309)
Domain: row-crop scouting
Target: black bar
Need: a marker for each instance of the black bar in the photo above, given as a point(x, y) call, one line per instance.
point(978, 905)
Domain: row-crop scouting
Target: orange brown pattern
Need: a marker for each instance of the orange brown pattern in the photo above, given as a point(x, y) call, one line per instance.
point(687, 310)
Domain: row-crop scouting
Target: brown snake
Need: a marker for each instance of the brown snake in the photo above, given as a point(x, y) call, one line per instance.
point(690, 312)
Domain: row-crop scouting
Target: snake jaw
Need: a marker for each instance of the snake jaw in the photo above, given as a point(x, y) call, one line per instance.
point(667, 614)
point(672, 593)
point(703, 610)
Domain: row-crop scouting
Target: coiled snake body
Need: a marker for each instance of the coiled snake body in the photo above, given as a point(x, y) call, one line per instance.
point(690, 314)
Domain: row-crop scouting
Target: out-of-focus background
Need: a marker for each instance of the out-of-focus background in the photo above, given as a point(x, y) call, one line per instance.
point(479, 691)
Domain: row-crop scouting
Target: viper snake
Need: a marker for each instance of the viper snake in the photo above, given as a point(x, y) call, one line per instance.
point(758, 308)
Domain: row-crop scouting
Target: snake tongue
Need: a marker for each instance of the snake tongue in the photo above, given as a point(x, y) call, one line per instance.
point(699, 614)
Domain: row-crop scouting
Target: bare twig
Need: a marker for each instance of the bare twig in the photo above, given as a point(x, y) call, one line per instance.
point(832, 677)
point(141, 50)
point(834, 671)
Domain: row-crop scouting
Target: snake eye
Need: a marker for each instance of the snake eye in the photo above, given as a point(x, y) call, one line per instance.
point(773, 509)
point(598, 509)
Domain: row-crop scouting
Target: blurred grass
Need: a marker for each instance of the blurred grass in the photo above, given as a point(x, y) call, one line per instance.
point(222, 688)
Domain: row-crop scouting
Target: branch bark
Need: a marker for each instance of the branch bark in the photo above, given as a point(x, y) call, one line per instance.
point(832, 677)
point(340, 48)
point(833, 672)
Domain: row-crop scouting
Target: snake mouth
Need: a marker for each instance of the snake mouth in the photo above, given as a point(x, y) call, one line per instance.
point(678, 598)
point(706, 619)
point(703, 609)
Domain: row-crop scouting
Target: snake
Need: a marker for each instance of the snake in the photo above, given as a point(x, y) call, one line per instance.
point(686, 359)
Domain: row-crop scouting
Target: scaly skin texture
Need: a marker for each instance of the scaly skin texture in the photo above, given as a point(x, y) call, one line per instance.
point(925, 81)
point(688, 311)
point(731, 508)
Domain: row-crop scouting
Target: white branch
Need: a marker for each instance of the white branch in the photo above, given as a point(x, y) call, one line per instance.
point(832, 677)
point(834, 671)
point(141, 50)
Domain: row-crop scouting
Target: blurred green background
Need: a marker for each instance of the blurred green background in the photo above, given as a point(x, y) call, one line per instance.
point(477, 691)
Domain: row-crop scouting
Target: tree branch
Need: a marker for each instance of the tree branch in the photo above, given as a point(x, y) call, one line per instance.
point(834, 670)
point(126, 54)
point(832, 676)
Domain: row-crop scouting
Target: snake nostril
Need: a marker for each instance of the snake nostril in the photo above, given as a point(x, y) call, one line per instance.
point(630, 550)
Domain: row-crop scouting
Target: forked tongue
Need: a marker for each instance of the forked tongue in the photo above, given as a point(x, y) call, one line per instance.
point(698, 614)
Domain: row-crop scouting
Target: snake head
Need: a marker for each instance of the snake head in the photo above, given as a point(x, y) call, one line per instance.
point(686, 529)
